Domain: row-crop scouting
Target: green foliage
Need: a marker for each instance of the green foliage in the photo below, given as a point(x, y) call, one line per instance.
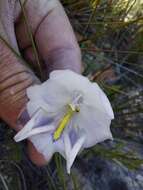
point(129, 159)
point(117, 154)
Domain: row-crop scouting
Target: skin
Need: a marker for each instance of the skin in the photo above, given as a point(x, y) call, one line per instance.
point(57, 48)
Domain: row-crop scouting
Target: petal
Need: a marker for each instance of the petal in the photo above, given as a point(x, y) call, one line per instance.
point(74, 151)
point(39, 130)
point(96, 98)
point(33, 106)
point(32, 127)
point(59, 147)
point(91, 92)
point(67, 144)
point(50, 93)
point(34, 92)
point(63, 75)
point(95, 124)
point(105, 102)
point(44, 144)
point(69, 80)
point(28, 127)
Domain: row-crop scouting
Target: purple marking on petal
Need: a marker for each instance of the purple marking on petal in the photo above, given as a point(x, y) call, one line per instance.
point(46, 119)
point(73, 136)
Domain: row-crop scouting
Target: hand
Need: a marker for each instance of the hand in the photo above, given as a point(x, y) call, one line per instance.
point(56, 46)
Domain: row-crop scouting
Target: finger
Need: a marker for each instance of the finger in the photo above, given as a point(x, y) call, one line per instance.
point(22, 36)
point(15, 78)
point(55, 40)
point(62, 51)
point(29, 56)
point(35, 156)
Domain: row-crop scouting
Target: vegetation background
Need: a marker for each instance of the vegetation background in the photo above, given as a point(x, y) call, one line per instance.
point(110, 34)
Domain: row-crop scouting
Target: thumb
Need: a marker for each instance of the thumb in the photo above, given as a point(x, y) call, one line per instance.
point(15, 78)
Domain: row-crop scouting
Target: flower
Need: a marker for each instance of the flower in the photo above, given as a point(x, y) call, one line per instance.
point(68, 113)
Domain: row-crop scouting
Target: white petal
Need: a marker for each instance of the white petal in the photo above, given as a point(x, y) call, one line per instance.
point(69, 80)
point(39, 130)
point(33, 126)
point(59, 147)
point(97, 99)
point(74, 151)
point(95, 124)
point(53, 94)
point(67, 75)
point(34, 92)
point(33, 106)
point(104, 100)
point(67, 144)
point(44, 144)
point(28, 127)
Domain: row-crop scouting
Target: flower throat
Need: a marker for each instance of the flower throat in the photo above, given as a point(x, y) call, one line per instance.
point(72, 108)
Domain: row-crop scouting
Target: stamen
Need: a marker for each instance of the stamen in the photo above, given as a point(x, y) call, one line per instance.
point(65, 120)
point(72, 109)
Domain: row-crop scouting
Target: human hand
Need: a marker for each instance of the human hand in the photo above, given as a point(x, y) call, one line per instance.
point(56, 46)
